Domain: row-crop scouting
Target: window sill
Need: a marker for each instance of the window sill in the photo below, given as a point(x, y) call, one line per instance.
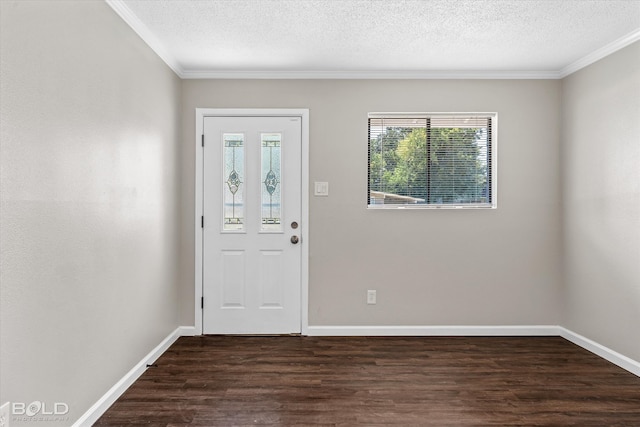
point(429, 207)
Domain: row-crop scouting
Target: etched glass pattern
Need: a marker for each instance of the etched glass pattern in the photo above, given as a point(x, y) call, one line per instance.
point(271, 182)
point(233, 185)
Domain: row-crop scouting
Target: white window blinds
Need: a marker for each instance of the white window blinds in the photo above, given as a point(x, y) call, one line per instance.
point(431, 160)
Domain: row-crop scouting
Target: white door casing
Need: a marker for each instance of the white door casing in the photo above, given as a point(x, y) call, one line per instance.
point(253, 185)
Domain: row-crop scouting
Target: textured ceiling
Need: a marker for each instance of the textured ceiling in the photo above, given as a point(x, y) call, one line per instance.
point(379, 36)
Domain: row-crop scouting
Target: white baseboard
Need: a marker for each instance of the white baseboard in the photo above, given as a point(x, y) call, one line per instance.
point(101, 406)
point(606, 353)
point(612, 356)
point(524, 330)
point(187, 331)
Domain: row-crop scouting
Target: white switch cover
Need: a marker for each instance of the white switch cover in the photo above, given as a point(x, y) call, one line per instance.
point(321, 189)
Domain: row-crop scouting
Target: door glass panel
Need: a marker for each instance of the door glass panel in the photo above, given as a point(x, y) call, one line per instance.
point(271, 182)
point(233, 185)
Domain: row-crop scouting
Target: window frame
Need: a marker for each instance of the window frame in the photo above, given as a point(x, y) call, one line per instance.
point(493, 156)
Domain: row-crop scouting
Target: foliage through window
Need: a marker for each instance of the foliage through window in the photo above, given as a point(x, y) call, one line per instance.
point(431, 160)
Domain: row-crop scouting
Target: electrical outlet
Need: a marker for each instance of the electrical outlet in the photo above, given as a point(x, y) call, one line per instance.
point(5, 415)
point(371, 296)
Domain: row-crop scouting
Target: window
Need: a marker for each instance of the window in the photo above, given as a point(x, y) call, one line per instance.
point(233, 188)
point(431, 160)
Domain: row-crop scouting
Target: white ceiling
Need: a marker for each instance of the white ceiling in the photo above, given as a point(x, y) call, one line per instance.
point(381, 38)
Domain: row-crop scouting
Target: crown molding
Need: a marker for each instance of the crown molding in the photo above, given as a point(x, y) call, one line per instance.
point(397, 75)
point(597, 55)
point(145, 34)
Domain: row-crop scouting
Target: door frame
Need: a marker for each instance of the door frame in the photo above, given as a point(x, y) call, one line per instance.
point(201, 113)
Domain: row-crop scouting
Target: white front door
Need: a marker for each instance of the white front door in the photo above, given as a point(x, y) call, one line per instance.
point(252, 225)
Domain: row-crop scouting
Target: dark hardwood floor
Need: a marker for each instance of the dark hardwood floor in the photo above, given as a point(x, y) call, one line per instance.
point(367, 381)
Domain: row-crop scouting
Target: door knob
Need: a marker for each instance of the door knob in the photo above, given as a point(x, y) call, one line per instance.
point(294, 239)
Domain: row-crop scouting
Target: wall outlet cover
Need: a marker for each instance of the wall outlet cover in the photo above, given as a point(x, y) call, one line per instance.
point(371, 296)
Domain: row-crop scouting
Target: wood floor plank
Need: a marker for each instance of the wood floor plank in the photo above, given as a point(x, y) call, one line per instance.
point(378, 381)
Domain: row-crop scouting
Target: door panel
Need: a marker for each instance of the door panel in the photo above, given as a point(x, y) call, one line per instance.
point(232, 269)
point(252, 195)
point(271, 279)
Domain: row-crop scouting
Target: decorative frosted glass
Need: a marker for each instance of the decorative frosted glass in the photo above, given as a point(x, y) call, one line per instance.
point(271, 182)
point(233, 218)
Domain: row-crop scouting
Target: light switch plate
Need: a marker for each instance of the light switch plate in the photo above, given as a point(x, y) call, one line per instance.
point(321, 189)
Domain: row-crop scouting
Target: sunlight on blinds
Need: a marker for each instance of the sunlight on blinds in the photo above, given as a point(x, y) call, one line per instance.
point(431, 160)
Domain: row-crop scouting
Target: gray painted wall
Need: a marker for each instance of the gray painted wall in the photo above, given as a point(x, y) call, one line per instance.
point(601, 180)
point(90, 174)
point(431, 267)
